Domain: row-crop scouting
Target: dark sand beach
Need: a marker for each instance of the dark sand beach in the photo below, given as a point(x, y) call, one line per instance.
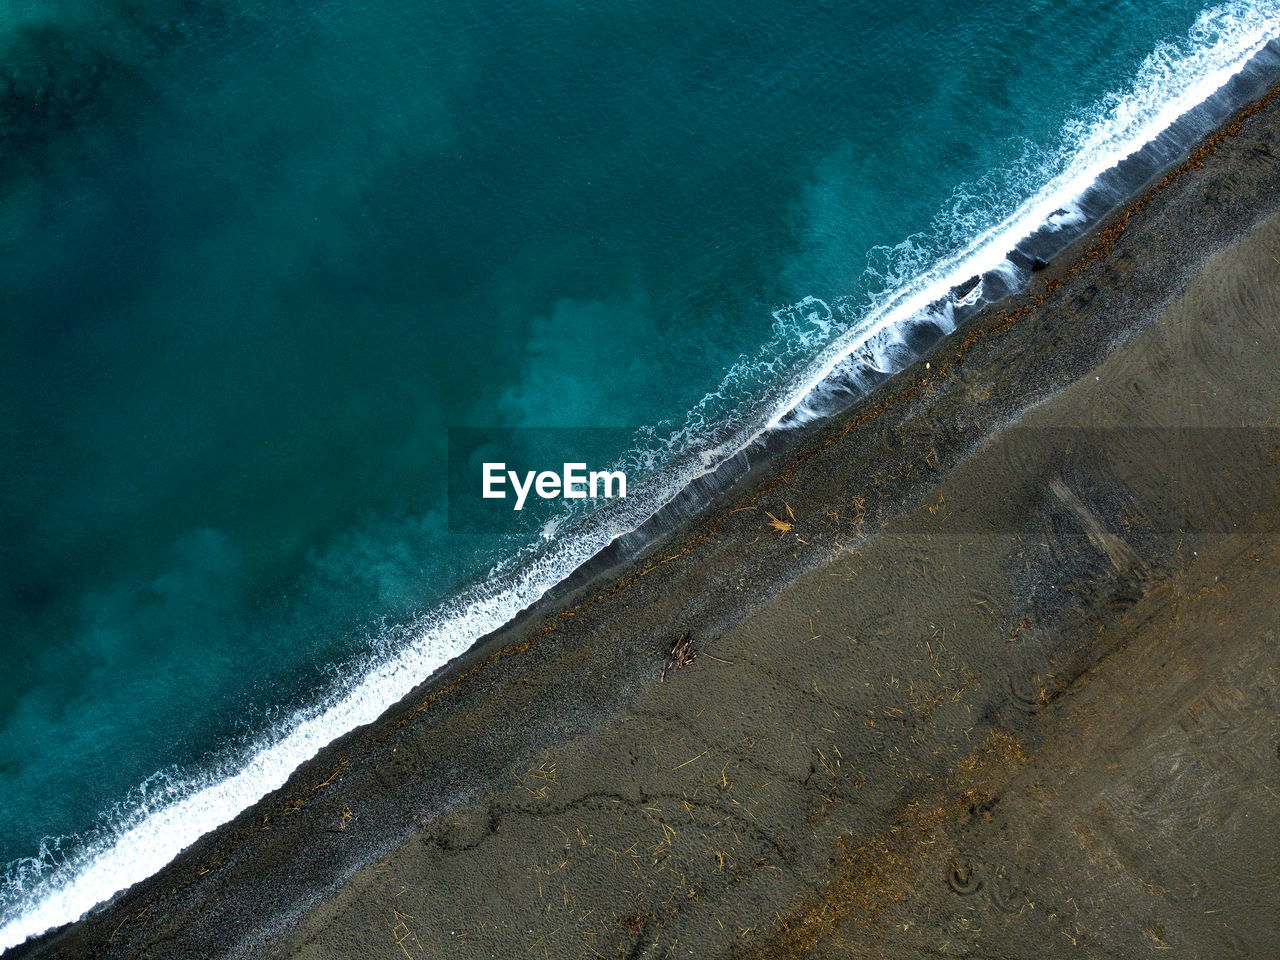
point(987, 667)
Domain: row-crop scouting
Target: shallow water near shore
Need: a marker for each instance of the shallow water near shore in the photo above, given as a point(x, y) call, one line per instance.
point(259, 262)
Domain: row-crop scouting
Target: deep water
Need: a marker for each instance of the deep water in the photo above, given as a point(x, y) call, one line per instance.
point(257, 258)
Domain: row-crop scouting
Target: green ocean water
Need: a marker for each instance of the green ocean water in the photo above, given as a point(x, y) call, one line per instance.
point(257, 259)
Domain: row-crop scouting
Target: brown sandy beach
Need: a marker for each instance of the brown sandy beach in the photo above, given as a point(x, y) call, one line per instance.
point(988, 667)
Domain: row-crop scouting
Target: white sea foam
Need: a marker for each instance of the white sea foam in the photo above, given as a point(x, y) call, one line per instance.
point(1172, 80)
point(168, 814)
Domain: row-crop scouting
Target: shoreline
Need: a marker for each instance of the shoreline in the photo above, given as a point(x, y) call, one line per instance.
point(1038, 255)
point(359, 773)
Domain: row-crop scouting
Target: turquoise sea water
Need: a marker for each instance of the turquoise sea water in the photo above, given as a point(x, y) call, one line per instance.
point(257, 259)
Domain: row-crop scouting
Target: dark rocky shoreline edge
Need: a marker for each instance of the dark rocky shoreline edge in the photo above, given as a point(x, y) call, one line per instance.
point(174, 899)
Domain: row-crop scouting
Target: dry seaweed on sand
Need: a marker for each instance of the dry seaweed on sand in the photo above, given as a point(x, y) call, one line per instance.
point(681, 653)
